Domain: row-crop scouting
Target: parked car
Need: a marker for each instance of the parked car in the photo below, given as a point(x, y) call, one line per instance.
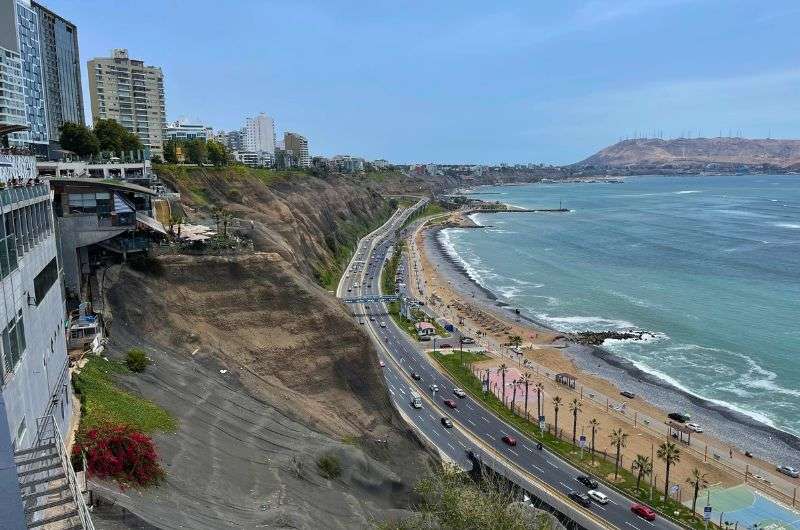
point(459, 393)
point(679, 417)
point(587, 481)
point(645, 512)
point(434, 388)
point(509, 440)
point(629, 395)
point(695, 427)
point(382, 364)
point(415, 376)
point(789, 471)
point(450, 403)
point(445, 345)
point(383, 324)
point(447, 423)
point(597, 496)
point(580, 498)
point(467, 340)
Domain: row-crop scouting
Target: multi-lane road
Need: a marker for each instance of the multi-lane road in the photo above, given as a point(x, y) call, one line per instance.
point(475, 428)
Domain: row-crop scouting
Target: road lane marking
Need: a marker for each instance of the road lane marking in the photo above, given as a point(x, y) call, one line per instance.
point(484, 419)
point(471, 422)
point(528, 448)
point(539, 468)
point(552, 464)
point(511, 450)
point(565, 486)
point(451, 446)
point(632, 525)
point(391, 392)
point(462, 444)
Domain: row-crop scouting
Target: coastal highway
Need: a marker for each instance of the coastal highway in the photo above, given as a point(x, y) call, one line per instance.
point(475, 428)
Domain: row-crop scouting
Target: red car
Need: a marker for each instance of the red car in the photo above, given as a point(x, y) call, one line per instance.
point(510, 440)
point(450, 403)
point(645, 512)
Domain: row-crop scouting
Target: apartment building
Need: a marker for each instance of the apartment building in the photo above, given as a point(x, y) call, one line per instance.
point(297, 145)
point(259, 135)
point(131, 93)
point(186, 130)
point(61, 70)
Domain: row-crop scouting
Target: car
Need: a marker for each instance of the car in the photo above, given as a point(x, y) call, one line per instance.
point(459, 393)
point(789, 471)
point(695, 427)
point(349, 290)
point(587, 481)
point(360, 321)
point(680, 417)
point(445, 345)
point(467, 340)
point(383, 324)
point(434, 388)
point(580, 498)
point(447, 423)
point(415, 376)
point(372, 319)
point(383, 364)
point(645, 512)
point(627, 394)
point(450, 403)
point(509, 440)
point(597, 496)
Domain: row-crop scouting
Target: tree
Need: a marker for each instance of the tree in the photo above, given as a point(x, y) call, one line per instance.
point(79, 139)
point(516, 341)
point(556, 405)
point(196, 151)
point(114, 137)
point(527, 380)
point(643, 467)
point(575, 407)
point(698, 481)
point(670, 454)
point(595, 425)
point(514, 395)
point(222, 217)
point(539, 392)
point(217, 153)
point(170, 151)
point(503, 370)
point(619, 439)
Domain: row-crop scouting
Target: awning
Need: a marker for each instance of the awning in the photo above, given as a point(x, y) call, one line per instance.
point(150, 222)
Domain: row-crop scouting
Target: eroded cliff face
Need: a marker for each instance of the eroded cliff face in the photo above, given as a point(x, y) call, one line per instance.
point(313, 223)
point(264, 369)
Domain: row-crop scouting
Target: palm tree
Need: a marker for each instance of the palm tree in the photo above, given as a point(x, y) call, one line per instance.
point(670, 454)
point(643, 467)
point(575, 408)
point(698, 481)
point(513, 395)
point(516, 340)
point(556, 404)
point(526, 379)
point(539, 392)
point(595, 425)
point(619, 440)
point(503, 370)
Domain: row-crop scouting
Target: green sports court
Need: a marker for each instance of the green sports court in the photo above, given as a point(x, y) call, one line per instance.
point(747, 507)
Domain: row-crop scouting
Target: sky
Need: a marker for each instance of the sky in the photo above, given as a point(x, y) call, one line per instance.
point(464, 81)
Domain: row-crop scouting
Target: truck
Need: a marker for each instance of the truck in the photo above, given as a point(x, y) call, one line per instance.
point(416, 400)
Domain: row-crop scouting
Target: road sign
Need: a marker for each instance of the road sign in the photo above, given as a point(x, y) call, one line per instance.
point(707, 513)
point(582, 441)
point(541, 423)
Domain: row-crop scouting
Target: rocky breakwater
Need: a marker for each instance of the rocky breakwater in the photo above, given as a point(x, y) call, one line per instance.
point(597, 338)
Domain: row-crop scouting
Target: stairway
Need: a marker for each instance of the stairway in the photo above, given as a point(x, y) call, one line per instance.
point(50, 491)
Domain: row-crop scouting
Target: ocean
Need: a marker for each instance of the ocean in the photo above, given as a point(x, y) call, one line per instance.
point(709, 265)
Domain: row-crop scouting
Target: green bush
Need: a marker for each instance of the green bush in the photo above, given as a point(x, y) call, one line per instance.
point(329, 466)
point(136, 360)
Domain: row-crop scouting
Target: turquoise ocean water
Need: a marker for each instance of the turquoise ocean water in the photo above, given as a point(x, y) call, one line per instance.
point(709, 265)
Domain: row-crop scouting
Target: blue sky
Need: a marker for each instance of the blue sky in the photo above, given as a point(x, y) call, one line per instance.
point(465, 81)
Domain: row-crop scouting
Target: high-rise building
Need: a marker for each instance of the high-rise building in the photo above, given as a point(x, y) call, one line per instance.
point(131, 93)
point(22, 67)
point(297, 145)
point(234, 140)
point(61, 68)
point(259, 134)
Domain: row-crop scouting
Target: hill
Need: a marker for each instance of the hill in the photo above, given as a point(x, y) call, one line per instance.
point(697, 154)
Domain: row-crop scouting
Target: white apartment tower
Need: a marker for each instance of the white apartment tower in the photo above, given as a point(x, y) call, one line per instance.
point(259, 135)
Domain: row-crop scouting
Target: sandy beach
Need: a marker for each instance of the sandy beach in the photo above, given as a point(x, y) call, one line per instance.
point(600, 376)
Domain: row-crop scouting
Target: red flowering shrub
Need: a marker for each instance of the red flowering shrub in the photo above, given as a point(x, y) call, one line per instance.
point(122, 453)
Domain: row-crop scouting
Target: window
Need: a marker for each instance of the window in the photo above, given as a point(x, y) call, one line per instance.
point(13, 343)
point(45, 280)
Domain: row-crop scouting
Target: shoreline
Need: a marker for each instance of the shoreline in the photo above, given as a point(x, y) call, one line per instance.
point(723, 423)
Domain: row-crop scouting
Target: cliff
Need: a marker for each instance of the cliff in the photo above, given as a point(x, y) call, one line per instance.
point(697, 154)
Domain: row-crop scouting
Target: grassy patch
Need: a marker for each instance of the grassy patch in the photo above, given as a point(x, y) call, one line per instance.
point(103, 402)
point(582, 460)
point(329, 467)
point(431, 208)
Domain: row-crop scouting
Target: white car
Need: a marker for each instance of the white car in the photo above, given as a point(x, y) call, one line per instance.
point(434, 388)
point(598, 497)
point(459, 393)
point(383, 324)
point(695, 427)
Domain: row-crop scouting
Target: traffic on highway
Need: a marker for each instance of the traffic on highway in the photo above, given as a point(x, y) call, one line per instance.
point(454, 422)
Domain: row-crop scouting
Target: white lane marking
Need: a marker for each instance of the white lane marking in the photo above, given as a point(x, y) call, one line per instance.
point(648, 522)
point(469, 406)
point(552, 464)
point(451, 446)
point(471, 422)
point(539, 468)
point(391, 392)
point(512, 451)
point(528, 448)
point(484, 419)
point(565, 485)
point(632, 525)
point(391, 386)
point(462, 444)
point(598, 506)
point(431, 417)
